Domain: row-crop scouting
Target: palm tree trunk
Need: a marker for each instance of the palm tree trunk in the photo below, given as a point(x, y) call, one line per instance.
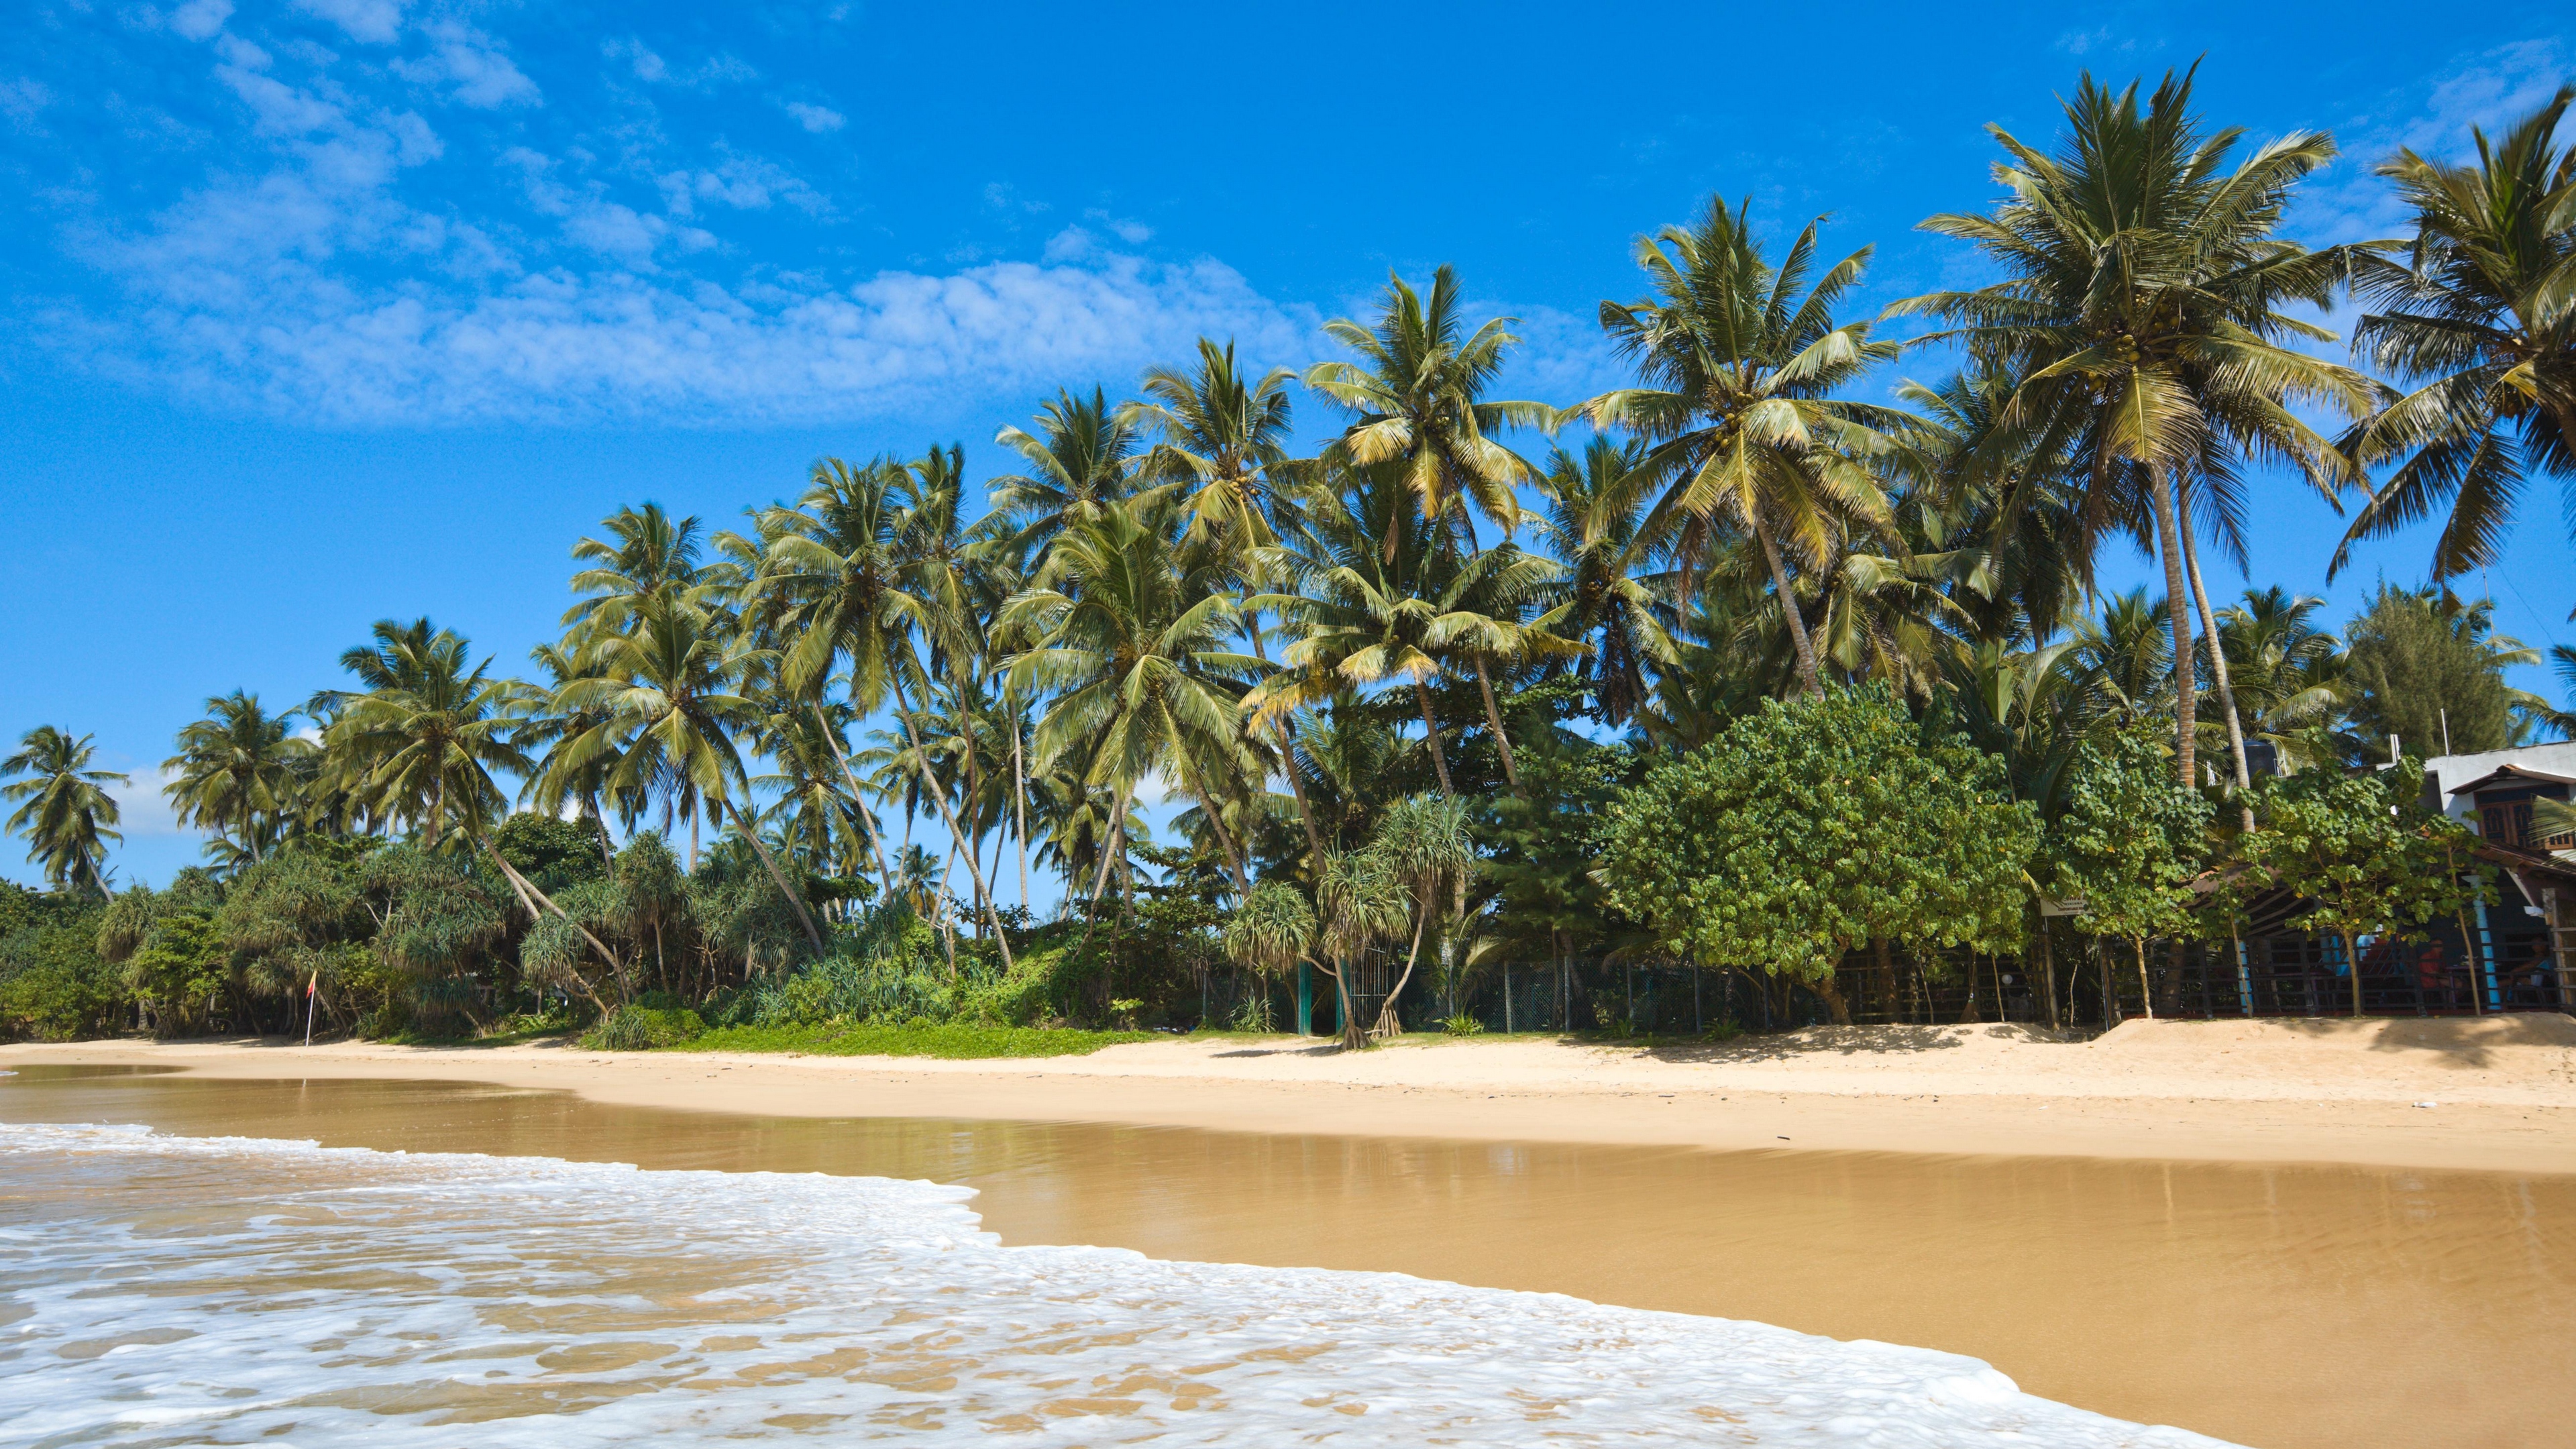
point(2217, 655)
point(858, 799)
point(1809, 679)
point(1020, 805)
point(795, 898)
point(2177, 605)
point(1494, 717)
point(1389, 1023)
point(1224, 839)
point(903, 712)
point(529, 896)
point(1431, 728)
point(1297, 786)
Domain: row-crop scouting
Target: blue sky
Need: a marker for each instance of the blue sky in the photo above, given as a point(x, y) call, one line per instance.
point(325, 311)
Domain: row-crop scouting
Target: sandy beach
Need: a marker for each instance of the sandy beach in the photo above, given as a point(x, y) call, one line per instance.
point(2497, 1093)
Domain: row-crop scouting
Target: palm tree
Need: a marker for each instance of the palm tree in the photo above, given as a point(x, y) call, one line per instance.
point(2480, 313)
point(670, 689)
point(1369, 578)
point(1595, 504)
point(1079, 461)
point(1129, 648)
point(1419, 392)
point(1424, 843)
point(2141, 310)
point(541, 726)
point(64, 810)
point(2288, 672)
point(647, 555)
point(426, 733)
point(2125, 656)
point(1224, 438)
point(2018, 510)
point(236, 773)
point(849, 577)
point(1737, 370)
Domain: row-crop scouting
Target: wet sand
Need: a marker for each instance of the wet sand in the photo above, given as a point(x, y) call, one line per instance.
point(2282, 1305)
point(2493, 1094)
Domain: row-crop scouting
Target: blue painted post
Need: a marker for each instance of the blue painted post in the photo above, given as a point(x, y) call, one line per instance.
point(1305, 999)
point(2482, 962)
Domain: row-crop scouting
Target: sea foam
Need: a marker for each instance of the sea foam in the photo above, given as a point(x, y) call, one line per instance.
point(163, 1290)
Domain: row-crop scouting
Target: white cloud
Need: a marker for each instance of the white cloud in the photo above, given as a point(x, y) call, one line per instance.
point(294, 337)
point(471, 65)
point(639, 58)
point(199, 19)
point(744, 183)
point(370, 22)
point(817, 119)
point(649, 67)
point(1128, 230)
point(2489, 90)
point(142, 811)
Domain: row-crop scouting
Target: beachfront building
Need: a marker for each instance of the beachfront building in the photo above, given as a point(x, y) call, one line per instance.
point(2512, 954)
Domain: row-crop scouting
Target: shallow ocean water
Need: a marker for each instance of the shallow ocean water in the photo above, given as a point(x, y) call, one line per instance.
point(177, 1290)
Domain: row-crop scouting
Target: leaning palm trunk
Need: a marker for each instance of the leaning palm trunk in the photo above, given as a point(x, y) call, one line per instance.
point(530, 896)
point(1431, 731)
point(1389, 1022)
point(930, 783)
point(795, 898)
point(858, 801)
point(1224, 838)
point(2217, 654)
point(1494, 717)
point(2177, 606)
point(1809, 678)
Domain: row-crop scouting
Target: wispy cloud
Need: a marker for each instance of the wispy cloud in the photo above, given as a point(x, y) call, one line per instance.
point(818, 119)
point(2488, 89)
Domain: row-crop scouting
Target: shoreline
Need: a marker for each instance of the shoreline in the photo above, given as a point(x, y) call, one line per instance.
point(2502, 1089)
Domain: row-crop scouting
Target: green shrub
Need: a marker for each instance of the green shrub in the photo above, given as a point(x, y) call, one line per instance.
point(642, 1028)
point(1463, 1025)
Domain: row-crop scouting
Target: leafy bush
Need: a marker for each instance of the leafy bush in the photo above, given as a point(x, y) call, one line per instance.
point(1463, 1025)
point(955, 1040)
point(637, 1028)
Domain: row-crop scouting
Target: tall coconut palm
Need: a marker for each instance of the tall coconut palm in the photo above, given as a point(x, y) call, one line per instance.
point(647, 555)
point(236, 773)
point(1737, 371)
point(1418, 390)
point(548, 732)
point(1080, 459)
point(1595, 504)
point(2142, 310)
point(849, 578)
point(1130, 649)
point(1224, 437)
point(426, 732)
point(1369, 581)
point(64, 810)
point(670, 685)
point(2478, 310)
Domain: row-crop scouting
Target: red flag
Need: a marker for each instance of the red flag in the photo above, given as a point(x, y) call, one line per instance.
point(313, 985)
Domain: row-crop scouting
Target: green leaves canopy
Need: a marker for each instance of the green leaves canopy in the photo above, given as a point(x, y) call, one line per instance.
point(1810, 828)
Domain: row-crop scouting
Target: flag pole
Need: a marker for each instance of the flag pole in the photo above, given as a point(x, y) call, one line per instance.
point(312, 989)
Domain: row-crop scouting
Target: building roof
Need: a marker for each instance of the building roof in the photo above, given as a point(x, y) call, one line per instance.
point(2503, 775)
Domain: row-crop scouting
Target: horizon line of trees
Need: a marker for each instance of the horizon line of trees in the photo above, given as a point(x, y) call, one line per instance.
point(1393, 723)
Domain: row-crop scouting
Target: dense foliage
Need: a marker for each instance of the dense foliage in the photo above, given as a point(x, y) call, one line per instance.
point(1757, 675)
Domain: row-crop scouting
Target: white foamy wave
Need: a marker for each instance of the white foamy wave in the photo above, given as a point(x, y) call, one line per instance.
point(167, 1290)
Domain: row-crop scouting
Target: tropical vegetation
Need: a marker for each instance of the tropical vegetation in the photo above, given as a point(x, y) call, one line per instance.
point(1770, 664)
